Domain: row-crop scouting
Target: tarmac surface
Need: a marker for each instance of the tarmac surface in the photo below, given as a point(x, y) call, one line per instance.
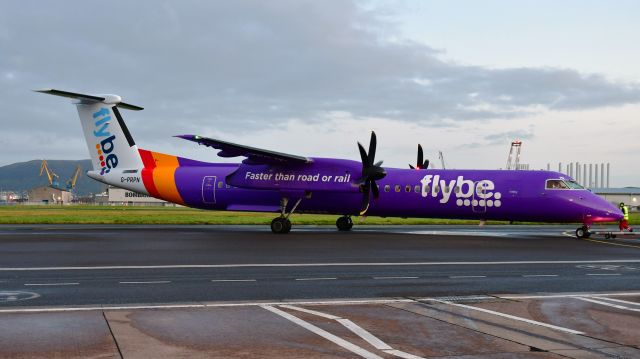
point(377, 292)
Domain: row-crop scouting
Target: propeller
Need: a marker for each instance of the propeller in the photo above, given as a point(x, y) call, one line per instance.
point(371, 172)
point(420, 164)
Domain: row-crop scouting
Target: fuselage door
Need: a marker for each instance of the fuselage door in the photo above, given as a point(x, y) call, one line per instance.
point(209, 189)
point(478, 204)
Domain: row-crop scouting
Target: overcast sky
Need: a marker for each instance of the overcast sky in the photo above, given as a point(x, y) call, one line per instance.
point(313, 77)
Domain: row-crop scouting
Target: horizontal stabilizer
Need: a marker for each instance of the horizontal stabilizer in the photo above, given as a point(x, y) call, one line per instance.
point(254, 155)
point(108, 99)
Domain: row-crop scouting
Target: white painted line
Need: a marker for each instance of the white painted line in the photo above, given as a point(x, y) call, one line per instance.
point(616, 300)
point(539, 275)
point(233, 280)
point(310, 311)
point(513, 317)
point(608, 304)
point(323, 333)
point(382, 278)
point(601, 274)
point(401, 354)
point(467, 276)
point(43, 284)
point(317, 278)
point(147, 282)
point(358, 330)
point(362, 333)
point(572, 295)
point(340, 264)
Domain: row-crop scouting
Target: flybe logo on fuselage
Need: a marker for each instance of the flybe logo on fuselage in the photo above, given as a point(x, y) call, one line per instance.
point(467, 192)
point(105, 147)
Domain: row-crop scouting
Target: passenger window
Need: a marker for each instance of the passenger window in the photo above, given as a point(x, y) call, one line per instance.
point(407, 188)
point(387, 188)
point(220, 184)
point(397, 188)
point(416, 189)
point(556, 184)
point(227, 186)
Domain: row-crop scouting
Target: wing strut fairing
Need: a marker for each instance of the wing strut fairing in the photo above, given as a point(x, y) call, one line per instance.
point(254, 156)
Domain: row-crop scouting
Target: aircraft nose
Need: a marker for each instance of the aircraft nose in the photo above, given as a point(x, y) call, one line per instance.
point(597, 209)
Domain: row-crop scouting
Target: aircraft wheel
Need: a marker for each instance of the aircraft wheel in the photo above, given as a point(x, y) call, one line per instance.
point(583, 232)
point(280, 225)
point(344, 223)
point(607, 236)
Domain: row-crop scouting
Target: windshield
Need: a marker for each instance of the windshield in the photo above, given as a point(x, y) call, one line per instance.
point(562, 184)
point(573, 184)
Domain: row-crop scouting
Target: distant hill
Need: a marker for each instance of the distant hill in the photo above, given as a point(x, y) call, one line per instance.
point(23, 176)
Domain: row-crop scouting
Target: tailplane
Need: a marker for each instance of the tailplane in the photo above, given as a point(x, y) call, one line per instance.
point(109, 141)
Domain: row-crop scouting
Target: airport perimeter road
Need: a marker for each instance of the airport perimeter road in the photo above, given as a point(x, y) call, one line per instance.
point(112, 265)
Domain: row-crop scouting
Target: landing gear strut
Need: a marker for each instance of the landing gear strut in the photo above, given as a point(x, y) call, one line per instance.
point(583, 232)
point(282, 224)
point(344, 223)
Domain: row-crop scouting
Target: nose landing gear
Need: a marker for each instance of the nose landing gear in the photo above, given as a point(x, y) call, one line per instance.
point(583, 232)
point(344, 223)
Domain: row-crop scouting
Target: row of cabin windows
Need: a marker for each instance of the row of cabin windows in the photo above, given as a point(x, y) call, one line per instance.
point(418, 188)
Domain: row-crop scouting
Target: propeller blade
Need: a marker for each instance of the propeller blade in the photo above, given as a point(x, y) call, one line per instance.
point(420, 156)
point(372, 148)
point(411, 166)
point(378, 164)
point(426, 164)
point(365, 196)
point(363, 155)
point(375, 190)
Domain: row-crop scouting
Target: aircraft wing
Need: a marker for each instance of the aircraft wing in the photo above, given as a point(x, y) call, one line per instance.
point(255, 156)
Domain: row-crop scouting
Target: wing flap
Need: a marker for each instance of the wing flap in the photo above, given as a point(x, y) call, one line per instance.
point(254, 155)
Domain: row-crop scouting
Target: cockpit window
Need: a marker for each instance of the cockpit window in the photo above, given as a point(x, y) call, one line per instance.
point(556, 184)
point(573, 184)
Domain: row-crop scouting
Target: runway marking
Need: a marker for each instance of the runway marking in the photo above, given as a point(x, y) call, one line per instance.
point(382, 278)
point(233, 280)
point(147, 282)
point(613, 244)
point(337, 264)
point(323, 333)
point(602, 274)
point(539, 275)
point(608, 304)
point(509, 316)
point(310, 311)
point(467, 276)
point(573, 295)
point(358, 330)
point(312, 302)
point(615, 300)
point(43, 284)
point(316, 278)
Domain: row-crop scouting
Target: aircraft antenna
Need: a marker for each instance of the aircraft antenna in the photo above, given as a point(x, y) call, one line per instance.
point(514, 151)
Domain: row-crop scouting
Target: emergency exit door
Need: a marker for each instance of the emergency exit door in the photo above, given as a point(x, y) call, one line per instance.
point(209, 189)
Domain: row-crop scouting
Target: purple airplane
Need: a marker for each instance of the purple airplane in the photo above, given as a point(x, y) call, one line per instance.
point(268, 181)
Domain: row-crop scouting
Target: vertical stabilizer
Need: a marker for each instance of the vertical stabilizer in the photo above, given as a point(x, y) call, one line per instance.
point(108, 139)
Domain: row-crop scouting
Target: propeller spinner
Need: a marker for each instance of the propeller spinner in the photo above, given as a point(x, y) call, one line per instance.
point(420, 165)
point(371, 172)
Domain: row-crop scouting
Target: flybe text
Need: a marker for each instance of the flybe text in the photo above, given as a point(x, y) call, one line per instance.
point(105, 146)
point(482, 191)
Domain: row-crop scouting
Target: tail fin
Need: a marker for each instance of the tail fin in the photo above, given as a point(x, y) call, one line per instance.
point(109, 141)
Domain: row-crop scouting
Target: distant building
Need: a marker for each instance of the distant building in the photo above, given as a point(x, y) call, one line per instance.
point(629, 195)
point(120, 196)
point(49, 195)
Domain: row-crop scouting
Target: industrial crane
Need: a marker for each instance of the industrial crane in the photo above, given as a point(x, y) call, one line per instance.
point(71, 183)
point(51, 176)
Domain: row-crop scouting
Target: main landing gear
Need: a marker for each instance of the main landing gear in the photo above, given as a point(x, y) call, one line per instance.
point(583, 232)
point(282, 224)
point(344, 223)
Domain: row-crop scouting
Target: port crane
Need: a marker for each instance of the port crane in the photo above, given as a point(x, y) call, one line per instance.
point(54, 179)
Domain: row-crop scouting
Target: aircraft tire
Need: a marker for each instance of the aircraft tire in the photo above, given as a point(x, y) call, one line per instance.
point(344, 223)
point(280, 225)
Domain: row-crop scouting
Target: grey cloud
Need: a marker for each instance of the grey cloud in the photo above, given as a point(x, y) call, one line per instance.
point(247, 65)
